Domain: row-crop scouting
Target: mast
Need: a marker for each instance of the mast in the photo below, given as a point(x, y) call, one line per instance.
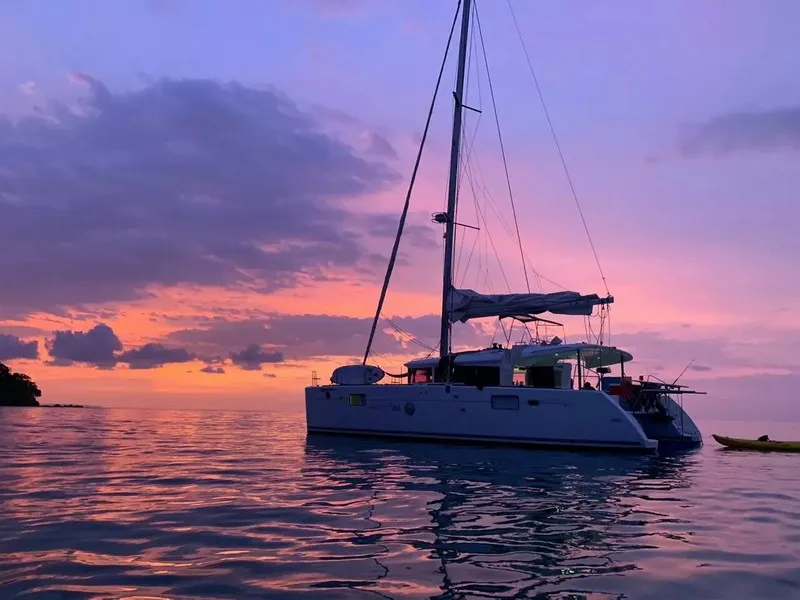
point(452, 186)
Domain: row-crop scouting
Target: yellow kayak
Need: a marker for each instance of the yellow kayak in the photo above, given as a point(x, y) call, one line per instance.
point(742, 444)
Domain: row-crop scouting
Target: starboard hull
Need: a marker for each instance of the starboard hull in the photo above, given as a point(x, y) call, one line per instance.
point(515, 415)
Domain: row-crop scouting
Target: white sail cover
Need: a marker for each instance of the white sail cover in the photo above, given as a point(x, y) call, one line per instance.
point(469, 304)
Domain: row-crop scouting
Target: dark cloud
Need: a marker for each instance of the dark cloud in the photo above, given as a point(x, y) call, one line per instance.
point(219, 336)
point(777, 129)
point(414, 235)
point(380, 146)
point(212, 370)
point(154, 355)
point(97, 347)
point(701, 368)
point(180, 182)
point(21, 331)
point(12, 347)
point(252, 357)
point(304, 336)
point(100, 347)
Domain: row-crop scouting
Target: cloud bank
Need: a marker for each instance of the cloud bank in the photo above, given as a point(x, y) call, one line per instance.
point(181, 182)
point(247, 344)
point(12, 347)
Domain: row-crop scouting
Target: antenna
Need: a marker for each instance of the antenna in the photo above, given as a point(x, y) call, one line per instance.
point(686, 368)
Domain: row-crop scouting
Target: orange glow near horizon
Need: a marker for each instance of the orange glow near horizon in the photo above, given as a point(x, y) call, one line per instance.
point(656, 289)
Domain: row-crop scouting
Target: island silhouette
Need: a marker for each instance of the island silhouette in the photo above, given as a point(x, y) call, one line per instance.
point(17, 389)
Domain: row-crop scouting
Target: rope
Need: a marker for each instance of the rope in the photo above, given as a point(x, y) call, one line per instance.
point(408, 336)
point(558, 146)
point(403, 216)
point(502, 148)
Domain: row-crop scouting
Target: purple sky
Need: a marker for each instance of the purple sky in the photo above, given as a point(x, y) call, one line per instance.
point(156, 144)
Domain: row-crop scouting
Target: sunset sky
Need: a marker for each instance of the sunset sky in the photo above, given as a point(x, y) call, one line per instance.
point(198, 198)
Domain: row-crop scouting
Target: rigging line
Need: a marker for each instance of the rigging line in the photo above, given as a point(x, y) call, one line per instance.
point(499, 262)
point(485, 190)
point(469, 145)
point(494, 248)
point(464, 156)
point(470, 179)
point(463, 136)
point(502, 147)
point(469, 174)
point(558, 145)
point(529, 262)
point(477, 234)
point(495, 209)
point(463, 171)
point(404, 214)
point(528, 331)
point(409, 336)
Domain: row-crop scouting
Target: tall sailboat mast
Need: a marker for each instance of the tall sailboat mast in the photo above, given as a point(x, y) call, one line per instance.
point(452, 187)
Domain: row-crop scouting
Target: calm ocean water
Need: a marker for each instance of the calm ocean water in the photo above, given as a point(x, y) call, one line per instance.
point(102, 503)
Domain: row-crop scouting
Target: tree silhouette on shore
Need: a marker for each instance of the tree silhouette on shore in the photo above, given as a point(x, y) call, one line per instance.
point(17, 389)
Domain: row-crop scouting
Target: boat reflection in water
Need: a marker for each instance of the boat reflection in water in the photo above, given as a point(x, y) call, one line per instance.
point(445, 521)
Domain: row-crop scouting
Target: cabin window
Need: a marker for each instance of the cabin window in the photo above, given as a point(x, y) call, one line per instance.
point(419, 375)
point(479, 376)
point(540, 377)
point(358, 399)
point(505, 402)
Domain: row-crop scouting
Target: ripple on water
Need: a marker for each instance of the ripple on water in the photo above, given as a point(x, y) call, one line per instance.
point(113, 503)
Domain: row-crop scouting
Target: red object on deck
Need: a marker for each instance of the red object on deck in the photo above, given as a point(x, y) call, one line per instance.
point(624, 389)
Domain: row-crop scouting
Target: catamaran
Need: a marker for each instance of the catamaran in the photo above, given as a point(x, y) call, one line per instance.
point(544, 393)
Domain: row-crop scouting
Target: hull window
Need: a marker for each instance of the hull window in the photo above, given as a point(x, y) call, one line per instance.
point(358, 399)
point(505, 402)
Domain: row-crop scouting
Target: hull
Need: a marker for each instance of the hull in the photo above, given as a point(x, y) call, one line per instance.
point(742, 444)
point(677, 432)
point(496, 415)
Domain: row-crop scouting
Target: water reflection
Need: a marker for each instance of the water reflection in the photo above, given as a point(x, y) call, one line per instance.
point(502, 522)
point(181, 504)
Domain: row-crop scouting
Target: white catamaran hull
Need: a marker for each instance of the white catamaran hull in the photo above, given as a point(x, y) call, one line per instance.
point(505, 415)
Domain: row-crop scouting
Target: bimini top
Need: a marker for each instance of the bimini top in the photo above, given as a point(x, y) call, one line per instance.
point(529, 355)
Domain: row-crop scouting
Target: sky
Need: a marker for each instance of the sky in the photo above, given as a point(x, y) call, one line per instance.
point(199, 198)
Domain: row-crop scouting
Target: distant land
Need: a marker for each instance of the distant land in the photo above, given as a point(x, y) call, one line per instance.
point(17, 389)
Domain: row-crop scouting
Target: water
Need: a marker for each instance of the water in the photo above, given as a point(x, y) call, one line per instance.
point(102, 503)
